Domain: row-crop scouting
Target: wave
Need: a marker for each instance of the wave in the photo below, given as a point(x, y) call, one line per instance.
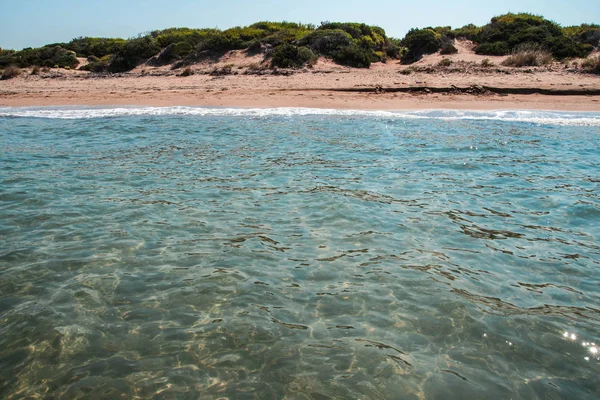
point(535, 117)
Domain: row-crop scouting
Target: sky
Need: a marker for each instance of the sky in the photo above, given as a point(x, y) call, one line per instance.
point(34, 23)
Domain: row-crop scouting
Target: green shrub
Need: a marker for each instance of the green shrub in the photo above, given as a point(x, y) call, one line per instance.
point(353, 56)
point(351, 44)
point(445, 62)
point(290, 56)
point(585, 34)
point(7, 57)
point(492, 49)
point(564, 47)
point(508, 31)
point(10, 72)
point(98, 47)
point(469, 32)
point(220, 43)
point(47, 56)
point(133, 53)
point(181, 49)
point(529, 55)
point(97, 64)
point(327, 42)
point(448, 48)
point(420, 42)
point(393, 48)
point(372, 37)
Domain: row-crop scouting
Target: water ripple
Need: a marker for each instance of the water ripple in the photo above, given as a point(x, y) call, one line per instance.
point(178, 253)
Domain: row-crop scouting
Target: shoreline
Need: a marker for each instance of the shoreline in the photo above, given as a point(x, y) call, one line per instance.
point(316, 99)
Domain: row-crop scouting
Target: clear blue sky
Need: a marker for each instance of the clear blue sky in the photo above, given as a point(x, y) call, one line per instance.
point(32, 23)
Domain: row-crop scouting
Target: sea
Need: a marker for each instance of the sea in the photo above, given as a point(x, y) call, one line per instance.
point(290, 253)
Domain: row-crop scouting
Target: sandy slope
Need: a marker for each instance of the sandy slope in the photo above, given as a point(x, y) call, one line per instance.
point(312, 87)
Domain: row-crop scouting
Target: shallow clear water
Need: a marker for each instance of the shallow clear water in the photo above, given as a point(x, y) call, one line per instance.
point(300, 255)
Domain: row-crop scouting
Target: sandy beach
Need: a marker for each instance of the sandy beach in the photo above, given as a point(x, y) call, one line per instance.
point(239, 80)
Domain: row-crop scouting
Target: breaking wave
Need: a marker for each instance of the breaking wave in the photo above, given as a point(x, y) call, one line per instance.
point(535, 117)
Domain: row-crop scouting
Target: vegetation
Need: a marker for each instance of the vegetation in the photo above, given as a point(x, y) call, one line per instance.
point(10, 72)
point(445, 62)
point(289, 44)
point(469, 32)
point(419, 42)
point(98, 47)
point(585, 33)
point(133, 53)
point(530, 55)
point(96, 64)
point(291, 56)
point(506, 32)
point(486, 63)
point(448, 48)
point(592, 65)
point(187, 72)
point(47, 56)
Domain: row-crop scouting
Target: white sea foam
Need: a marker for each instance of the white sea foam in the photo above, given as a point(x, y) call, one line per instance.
point(535, 117)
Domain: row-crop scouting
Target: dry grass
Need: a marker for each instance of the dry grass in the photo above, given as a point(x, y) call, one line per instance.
point(187, 72)
point(256, 67)
point(528, 55)
point(445, 62)
point(486, 63)
point(591, 65)
point(10, 72)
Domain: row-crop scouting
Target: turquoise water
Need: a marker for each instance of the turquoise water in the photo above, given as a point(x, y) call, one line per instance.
point(300, 254)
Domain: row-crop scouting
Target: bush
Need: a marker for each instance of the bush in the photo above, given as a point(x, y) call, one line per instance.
point(585, 34)
point(290, 56)
point(529, 55)
point(591, 65)
point(371, 37)
point(35, 70)
point(486, 63)
point(10, 72)
point(327, 42)
point(445, 62)
point(353, 56)
point(448, 48)
point(7, 57)
point(47, 56)
point(97, 64)
point(508, 31)
point(420, 42)
point(564, 47)
point(171, 36)
point(469, 32)
point(98, 47)
point(493, 49)
point(133, 53)
point(393, 48)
